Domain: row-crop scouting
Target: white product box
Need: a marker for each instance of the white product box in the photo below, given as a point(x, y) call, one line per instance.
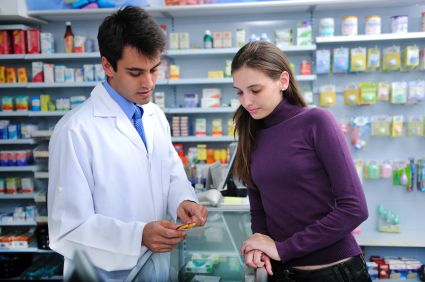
point(48, 73)
point(174, 40)
point(60, 73)
point(226, 37)
point(88, 72)
point(159, 99)
point(218, 39)
point(184, 40)
point(200, 127)
point(69, 75)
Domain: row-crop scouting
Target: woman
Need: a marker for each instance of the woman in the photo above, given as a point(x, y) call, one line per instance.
point(304, 191)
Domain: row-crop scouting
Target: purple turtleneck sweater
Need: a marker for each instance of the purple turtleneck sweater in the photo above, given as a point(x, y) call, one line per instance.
point(309, 197)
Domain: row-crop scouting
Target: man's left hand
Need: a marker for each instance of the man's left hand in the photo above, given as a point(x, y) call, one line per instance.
point(189, 212)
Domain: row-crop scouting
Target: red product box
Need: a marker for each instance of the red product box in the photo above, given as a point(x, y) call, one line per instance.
point(33, 41)
point(5, 46)
point(18, 40)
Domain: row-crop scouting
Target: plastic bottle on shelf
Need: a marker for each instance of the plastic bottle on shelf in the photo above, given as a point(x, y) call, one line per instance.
point(208, 39)
point(69, 38)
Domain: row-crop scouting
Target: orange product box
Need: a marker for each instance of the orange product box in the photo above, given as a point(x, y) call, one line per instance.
point(18, 40)
point(5, 46)
point(10, 75)
point(33, 41)
point(2, 74)
point(22, 75)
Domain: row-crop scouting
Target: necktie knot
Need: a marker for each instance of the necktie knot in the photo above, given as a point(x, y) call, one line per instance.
point(138, 113)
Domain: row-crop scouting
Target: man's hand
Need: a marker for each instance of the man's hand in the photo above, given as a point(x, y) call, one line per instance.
point(189, 212)
point(262, 243)
point(162, 236)
point(256, 259)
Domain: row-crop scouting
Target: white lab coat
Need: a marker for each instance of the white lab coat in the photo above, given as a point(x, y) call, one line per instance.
point(104, 186)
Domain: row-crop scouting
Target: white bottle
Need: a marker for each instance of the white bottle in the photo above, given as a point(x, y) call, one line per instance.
point(208, 39)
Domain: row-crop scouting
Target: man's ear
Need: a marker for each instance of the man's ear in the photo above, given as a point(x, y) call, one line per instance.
point(107, 67)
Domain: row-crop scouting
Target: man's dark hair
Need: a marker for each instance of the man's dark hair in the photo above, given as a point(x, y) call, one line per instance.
point(130, 26)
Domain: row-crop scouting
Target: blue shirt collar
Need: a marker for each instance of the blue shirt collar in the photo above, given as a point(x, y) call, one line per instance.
point(127, 106)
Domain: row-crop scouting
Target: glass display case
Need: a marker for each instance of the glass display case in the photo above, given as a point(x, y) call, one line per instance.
point(212, 252)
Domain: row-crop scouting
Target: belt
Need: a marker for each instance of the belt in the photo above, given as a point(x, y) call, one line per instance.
point(283, 273)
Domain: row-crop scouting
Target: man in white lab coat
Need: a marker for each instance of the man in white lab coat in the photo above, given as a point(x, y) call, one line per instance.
point(113, 181)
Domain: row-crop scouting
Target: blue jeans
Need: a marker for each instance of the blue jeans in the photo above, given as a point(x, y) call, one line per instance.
point(352, 270)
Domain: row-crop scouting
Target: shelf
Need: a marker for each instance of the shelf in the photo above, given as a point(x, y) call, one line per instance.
point(47, 114)
point(203, 139)
point(381, 239)
point(14, 113)
point(378, 37)
point(231, 51)
point(24, 250)
point(41, 175)
point(20, 19)
point(32, 168)
point(185, 81)
point(12, 57)
point(253, 8)
point(19, 223)
point(89, 55)
point(17, 196)
point(42, 133)
point(16, 141)
point(199, 110)
point(62, 85)
point(13, 85)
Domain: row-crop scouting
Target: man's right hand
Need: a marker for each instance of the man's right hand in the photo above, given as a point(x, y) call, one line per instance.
point(161, 236)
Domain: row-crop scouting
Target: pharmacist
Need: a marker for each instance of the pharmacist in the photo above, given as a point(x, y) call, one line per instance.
point(114, 176)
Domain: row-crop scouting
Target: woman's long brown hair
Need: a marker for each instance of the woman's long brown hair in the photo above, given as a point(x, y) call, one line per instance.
point(267, 58)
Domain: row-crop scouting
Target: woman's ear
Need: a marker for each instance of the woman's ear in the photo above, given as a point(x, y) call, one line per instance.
point(284, 80)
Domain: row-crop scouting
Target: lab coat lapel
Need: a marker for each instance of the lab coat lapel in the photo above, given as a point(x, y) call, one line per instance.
point(105, 106)
point(148, 127)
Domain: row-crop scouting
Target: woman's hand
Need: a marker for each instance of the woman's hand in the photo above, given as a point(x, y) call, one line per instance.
point(256, 259)
point(262, 243)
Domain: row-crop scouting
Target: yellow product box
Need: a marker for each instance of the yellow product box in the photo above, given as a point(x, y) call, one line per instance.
point(174, 72)
point(217, 127)
point(216, 74)
point(22, 75)
point(352, 95)
point(327, 96)
point(44, 102)
point(230, 127)
point(10, 75)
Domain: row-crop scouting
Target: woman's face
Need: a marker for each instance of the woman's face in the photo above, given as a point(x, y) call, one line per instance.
point(258, 93)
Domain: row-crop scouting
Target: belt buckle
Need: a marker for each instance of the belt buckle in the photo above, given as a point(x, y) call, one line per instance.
point(286, 274)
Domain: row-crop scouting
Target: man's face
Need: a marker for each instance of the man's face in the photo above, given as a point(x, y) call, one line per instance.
point(135, 76)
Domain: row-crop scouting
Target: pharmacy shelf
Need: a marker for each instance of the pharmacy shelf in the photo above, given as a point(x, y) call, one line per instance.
point(24, 250)
point(199, 110)
point(377, 37)
point(19, 223)
point(17, 196)
point(14, 113)
point(231, 51)
point(407, 238)
point(203, 139)
point(41, 175)
point(288, 6)
point(17, 141)
point(47, 114)
point(191, 81)
point(62, 85)
point(31, 114)
point(88, 55)
point(42, 133)
point(13, 85)
point(12, 57)
point(19, 18)
point(31, 168)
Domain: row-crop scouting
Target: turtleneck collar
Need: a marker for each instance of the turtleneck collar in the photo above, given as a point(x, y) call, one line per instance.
point(283, 111)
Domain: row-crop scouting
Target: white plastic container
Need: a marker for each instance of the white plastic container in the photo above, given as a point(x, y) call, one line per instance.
point(327, 27)
point(372, 25)
point(399, 24)
point(349, 26)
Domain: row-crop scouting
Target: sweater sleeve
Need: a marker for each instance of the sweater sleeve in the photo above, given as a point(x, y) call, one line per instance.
point(350, 209)
point(258, 216)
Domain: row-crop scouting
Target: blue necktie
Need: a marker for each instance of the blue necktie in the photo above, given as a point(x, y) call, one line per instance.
point(137, 122)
